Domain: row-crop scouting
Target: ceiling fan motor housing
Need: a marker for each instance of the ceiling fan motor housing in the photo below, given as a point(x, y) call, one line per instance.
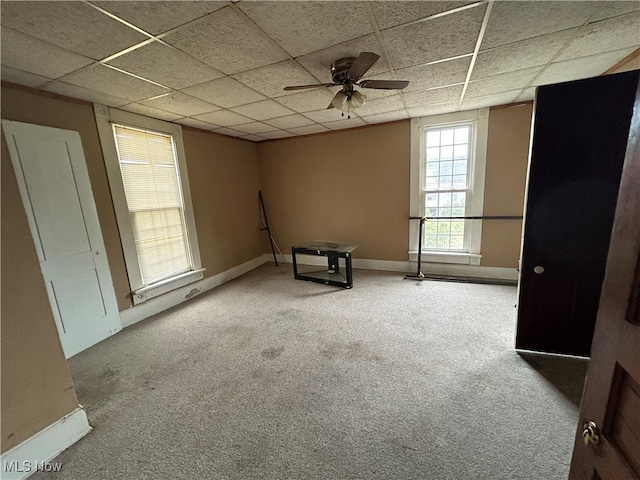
point(340, 69)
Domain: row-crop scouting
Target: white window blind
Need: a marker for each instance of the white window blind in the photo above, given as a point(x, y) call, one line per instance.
point(150, 175)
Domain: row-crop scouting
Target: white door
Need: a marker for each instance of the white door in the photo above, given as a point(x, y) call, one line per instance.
point(54, 183)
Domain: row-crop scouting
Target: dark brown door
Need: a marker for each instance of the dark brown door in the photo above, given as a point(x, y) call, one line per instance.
point(611, 398)
point(579, 140)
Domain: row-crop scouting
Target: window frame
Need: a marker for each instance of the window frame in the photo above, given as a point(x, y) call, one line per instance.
point(479, 121)
point(105, 118)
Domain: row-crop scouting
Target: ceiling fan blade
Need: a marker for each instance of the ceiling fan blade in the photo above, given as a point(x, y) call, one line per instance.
point(361, 64)
point(384, 84)
point(305, 87)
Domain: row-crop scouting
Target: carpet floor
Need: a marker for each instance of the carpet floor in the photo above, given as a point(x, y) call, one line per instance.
point(267, 377)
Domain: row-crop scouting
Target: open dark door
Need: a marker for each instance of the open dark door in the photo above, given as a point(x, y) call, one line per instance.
point(609, 447)
point(578, 146)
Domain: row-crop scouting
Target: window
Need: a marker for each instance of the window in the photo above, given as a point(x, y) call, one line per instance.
point(150, 190)
point(447, 176)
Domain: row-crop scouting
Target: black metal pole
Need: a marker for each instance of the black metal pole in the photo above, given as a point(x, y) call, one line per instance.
point(266, 227)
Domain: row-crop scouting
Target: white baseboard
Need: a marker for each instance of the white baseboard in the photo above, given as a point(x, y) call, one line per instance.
point(35, 453)
point(156, 305)
point(452, 270)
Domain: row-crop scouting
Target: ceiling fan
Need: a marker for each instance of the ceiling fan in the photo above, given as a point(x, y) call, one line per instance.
point(348, 72)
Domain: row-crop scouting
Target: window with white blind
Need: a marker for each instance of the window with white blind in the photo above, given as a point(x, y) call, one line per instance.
point(447, 180)
point(148, 178)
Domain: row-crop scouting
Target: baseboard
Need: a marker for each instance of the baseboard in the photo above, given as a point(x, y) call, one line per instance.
point(442, 269)
point(35, 453)
point(149, 308)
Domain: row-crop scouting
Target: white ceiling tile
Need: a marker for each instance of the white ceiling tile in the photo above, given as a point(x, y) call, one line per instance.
point(182, 104)
point(263, 110)
point(104, 79)
point(519, 55)
point(224, 118)
point(390, 14)
point(253, 127)
point(435, 75)
point(272, 79)
point(501, 98)
point(501, 83)
point(319, 63)
point(192, 122)
point(526, 95)
point(577, 68)
point(380, 105)
point(150, 111)
point(303, 27)
point(324, 115)
point(159, 16)
point(227, 42)
point(431, 97)
point(434, 39)
point(513, 21)
point(32, 55)
point(10, 74)
point(346, 123)
point(309, 129)
point(253, 138)
point(386, 117)
point(427, 110)
point(290, 121)
point(610, 9)
point(229, 132)
point(307, 101)
point(71, 25)
point(605, 36)
point(225, 92)
point(166, 66)
point(276, 134)
point(87, 94)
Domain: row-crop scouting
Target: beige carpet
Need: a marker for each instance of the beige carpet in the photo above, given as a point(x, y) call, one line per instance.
point(267, 377)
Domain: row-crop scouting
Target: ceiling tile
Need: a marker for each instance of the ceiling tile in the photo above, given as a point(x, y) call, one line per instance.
point(434, 39)
point(272, 79)
point(87, 94)
point(159, 16)
point(166, 66)
point(229, 132)
point(610, 9)
point(380, 105)
point(263, 110)
point(227, 42)
point(303, 27)
point(309, 129)
point(346, 123)
point(225, 92)
point(253, 138)
point(325, 115)
point(584, 67)
point(391, 14)
point(109, 81)
point(150, 111)
point(513, 21)
point(224, 118)
point(435, 96)
point(192, 122)
point(605, 36)
point(307, 101)
point(526, 95)
point(290, 121)
point(10, 74)
point(427, 110)
point(386, 117)
point(182, 104)
point(71, 25)
point(31, 55)
point(520, 55)
point(501, 83)
point(319, 63)
point(276, 134)
point(501, 98)
point(435, 75)
point(253, 127)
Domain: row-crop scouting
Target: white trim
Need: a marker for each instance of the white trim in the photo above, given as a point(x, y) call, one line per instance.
point(138, 313)
point(447, 257)
point(146, 293)
point(44, 446)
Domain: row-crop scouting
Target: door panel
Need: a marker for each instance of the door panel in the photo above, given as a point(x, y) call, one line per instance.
point(579, 140)
point(56, 192)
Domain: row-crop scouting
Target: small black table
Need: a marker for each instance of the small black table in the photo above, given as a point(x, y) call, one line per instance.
point(333, 251)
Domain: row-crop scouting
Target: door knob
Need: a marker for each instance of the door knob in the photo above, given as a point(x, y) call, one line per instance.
point(590, 434)
point(538, 269)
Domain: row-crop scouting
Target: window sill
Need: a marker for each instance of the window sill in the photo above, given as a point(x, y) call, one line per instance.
point(462, 258)
point(143, 294)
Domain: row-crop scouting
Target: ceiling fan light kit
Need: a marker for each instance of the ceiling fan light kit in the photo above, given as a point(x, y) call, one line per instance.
point(347, 72)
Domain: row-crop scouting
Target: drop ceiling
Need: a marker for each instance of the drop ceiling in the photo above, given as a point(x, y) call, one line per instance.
point(222, 66)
